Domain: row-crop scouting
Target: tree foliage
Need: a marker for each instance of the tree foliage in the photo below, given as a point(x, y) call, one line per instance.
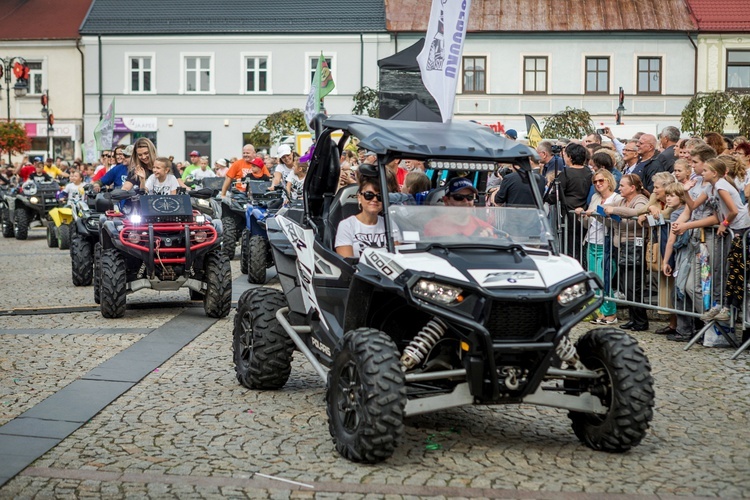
point(277, 125)
point(714, 111)
point(13, 138)
point(571, 123)
point(366, 101)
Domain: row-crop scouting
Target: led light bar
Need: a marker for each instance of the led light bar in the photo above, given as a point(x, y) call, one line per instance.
point(481, 166)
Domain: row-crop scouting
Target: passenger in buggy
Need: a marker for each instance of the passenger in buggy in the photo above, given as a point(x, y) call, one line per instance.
point(365, 229)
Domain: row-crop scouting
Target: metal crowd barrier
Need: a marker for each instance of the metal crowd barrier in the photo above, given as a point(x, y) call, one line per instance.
point(632, 269)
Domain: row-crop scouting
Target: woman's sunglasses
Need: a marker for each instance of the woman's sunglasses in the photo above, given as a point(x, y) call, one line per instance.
point(369, 196)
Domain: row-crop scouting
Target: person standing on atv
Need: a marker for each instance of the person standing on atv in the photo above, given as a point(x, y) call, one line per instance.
point(39, 174)
point(284, 168)
point(162, 181)
point(242, 168)
point(367, 228)
point(460, 192)
point(295, 181)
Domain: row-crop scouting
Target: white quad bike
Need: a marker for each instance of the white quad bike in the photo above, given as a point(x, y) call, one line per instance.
point(432, 322)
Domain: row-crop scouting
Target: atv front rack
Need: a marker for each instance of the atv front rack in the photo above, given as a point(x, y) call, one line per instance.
point(156, 239)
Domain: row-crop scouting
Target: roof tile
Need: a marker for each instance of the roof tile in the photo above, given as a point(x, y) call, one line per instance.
point(721, 15)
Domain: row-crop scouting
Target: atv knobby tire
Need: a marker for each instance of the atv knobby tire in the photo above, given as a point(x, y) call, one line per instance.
point(97, 272)
point(257, 260)
point(217, 301)
point(262, 350)
point(81, 261)
point(63, 236)
point(6, 222)
point(366, 396)
point(625, 387)
point(113, 286)
point(244, 246)
point(21, 223)
point(51, 235)
point(229, 237)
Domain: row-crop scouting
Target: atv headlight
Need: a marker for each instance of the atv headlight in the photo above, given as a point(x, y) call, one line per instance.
point(437, 292)
point(571, 294)
point(200, 219)
point(34, 200)
point(135, 219)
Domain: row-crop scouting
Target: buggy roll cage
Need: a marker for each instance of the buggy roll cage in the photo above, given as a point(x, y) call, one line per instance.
point(391, 139)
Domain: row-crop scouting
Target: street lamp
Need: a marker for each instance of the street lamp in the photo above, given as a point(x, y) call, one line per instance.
point(620, 108)
point(47, 114)
point(19, 67)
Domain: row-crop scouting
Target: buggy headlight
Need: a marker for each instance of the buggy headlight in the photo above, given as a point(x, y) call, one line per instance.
point(34, 200)
point(437, 292)
point(571, 294)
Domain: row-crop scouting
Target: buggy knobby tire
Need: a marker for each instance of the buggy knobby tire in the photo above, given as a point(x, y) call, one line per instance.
point(113, 284)
point(229, 236)
point(625, 388)
point(244, 246)
point(366, 396)
point(257, 263)
point(81, 261)
point(21, 223)
point(6, 222)
point(262, 350)
point(63, 236)
point(97, 272)
point(51, 235)
point(217, 301)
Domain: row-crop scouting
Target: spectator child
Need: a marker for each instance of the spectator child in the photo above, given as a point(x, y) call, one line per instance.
point(203, 172)
point(161, 181)
point(74, 188)
point(295, 180)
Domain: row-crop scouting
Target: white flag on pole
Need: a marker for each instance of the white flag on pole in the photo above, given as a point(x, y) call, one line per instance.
point(440, 59)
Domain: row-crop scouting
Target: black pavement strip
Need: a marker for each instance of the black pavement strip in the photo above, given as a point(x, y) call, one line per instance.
point(41, 428)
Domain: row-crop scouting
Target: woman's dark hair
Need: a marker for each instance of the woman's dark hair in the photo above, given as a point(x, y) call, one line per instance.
point(366, 180)
point(578, 154)
point(392, 181)
point(602, 160)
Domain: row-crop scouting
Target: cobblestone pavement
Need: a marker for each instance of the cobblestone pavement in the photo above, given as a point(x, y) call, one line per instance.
point(189, 430)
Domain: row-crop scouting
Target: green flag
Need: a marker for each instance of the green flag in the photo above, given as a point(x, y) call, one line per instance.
point(322, 85)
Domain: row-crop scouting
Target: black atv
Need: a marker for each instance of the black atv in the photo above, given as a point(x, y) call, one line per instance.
point(5, 221)
point(454, 305)
point(159, 242)
point(85, 235)
point(31, 202)
point(233, 208)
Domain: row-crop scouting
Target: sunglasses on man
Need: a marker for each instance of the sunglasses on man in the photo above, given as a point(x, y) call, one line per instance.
point(462, 197)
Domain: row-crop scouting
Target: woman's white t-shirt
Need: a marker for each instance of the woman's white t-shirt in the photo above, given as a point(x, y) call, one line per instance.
point(352, 232)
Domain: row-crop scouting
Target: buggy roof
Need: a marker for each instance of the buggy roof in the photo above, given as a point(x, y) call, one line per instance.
point(455, 139)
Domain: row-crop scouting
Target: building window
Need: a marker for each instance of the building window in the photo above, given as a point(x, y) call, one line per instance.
point(314, 65)
point(199, 141)
point(475, 75)
point(141, 72)
point(198, 74)
point(256, 74)
point(649, 75)
point(534, 75)
point(36, 78)
point(597, 75)
point(738, 70)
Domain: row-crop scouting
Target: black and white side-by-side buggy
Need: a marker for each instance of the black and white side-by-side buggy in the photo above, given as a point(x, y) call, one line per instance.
point(436, 318)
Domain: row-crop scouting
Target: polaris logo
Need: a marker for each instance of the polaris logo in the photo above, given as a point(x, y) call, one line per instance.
point(509, 276)
point(321, 346)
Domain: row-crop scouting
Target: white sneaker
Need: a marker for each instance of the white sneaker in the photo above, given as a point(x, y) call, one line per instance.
point(711, 313)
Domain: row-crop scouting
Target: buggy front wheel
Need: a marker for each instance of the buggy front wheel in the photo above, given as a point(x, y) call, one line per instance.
point(366, 396)
point(625, 387)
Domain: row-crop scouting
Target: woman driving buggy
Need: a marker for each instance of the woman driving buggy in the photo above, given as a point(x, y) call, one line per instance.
point(367, 228)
